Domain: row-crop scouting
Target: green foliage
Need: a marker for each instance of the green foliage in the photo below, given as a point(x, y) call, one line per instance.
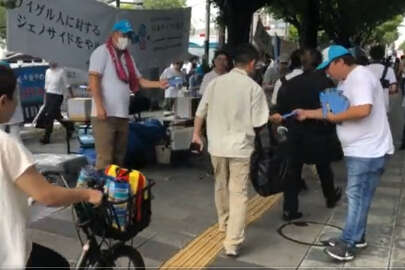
point(348, 22)
point(293, 33)
point(385, 33)
point(164, 4)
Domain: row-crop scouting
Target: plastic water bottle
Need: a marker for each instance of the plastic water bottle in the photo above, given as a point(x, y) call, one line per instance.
point(118, 191)
point(87, 175)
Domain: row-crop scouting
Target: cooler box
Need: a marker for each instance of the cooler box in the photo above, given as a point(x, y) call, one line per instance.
point(79, 109)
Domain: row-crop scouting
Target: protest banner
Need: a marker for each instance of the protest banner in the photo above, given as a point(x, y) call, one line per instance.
point(31, 82)
point(68, 31)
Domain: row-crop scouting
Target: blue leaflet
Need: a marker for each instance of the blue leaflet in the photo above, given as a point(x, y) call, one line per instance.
point(176, 82)
point(284, 116)
point(332, 100)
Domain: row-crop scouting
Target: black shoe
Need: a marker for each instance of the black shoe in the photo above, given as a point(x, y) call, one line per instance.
point(341, 251)
point(332, 242)
point(288, 216)
point(44, 140)
point(331, 203)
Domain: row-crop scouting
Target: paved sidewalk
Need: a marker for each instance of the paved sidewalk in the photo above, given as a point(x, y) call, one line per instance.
point(183, 208)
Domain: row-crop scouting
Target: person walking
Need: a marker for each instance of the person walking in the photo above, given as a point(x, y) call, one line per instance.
point(233, 105)
point(55, 85)
point(384, 73)
point(113, 75)
point(220, 66)
point(19, 179)
point(365, 135)
point(311, 142)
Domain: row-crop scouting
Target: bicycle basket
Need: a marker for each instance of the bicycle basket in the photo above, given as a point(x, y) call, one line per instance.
point(118, 220)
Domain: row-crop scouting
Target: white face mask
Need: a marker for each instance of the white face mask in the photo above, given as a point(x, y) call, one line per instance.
point(122, 43)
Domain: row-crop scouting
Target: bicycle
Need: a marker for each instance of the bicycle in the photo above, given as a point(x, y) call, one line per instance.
point(96, 224)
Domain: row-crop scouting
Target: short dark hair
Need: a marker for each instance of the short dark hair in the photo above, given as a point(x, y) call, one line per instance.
point(8, 81)
point(377, 52)
point(245, 53)
point(348, 59)
point(296, 59)
point(221, 52)
point(310, 59)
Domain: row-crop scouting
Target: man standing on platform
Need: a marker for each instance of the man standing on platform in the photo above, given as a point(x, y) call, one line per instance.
point(233, 106)
point(113, 75)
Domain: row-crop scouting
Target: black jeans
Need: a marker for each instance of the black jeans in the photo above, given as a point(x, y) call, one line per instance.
point(292, 184)
point(45, 258)
point(52, 113)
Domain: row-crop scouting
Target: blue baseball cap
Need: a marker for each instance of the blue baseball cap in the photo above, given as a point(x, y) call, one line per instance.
point(123, 26)
point(331, 53)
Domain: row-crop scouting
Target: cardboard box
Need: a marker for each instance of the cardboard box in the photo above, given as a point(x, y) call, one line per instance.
point(79, 109)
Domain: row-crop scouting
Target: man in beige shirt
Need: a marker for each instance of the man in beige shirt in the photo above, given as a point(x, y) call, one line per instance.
point(233, 106)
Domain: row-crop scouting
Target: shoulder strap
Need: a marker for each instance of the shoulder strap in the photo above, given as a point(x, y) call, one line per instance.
point(384, 72)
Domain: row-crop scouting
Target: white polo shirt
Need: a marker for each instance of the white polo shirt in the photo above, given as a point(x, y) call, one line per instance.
point(115, 93)
point(233, 105)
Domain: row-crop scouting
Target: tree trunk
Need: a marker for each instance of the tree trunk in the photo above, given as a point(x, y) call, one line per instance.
point(239, 26)
point(308, 31)
point(221, 35)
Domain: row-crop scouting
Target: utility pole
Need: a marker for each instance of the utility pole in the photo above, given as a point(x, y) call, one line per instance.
point(207, 31)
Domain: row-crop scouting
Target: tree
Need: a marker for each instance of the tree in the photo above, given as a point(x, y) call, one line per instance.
point(236, 16)
point(302, 14)
point(384, 34)
point(164, 4)
point(346, 22)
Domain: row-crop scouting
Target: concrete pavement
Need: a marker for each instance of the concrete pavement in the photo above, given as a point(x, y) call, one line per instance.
point(184, 208)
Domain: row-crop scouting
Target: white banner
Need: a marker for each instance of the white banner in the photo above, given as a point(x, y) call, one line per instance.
point(67, 31)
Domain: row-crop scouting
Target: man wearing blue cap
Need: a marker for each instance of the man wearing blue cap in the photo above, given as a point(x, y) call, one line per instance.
point(113, 75)
point(366, 139)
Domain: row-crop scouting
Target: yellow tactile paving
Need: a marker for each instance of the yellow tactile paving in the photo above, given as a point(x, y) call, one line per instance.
point(200, 252)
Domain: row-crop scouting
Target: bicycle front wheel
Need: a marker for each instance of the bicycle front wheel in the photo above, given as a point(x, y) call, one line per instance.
point(124, 257)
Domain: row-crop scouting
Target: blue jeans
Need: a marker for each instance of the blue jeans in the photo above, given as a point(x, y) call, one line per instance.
point(363, 176)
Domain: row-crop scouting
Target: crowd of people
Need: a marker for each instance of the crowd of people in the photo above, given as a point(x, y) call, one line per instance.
point(233, 108)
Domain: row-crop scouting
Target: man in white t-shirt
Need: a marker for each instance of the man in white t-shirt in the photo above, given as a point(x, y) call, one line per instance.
point(384, 73)
point(19, 179)
point(233, 106)
point(55, 85)
point(171, 93)
point(366, 139)
point(220, 66)
point(113, 75)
